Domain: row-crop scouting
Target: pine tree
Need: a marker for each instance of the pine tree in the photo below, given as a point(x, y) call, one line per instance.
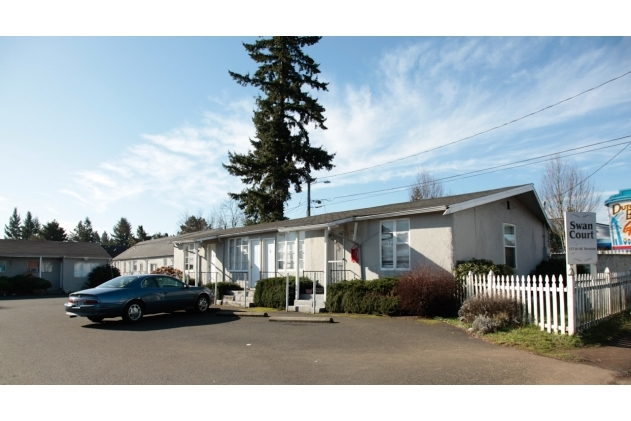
point(84, 232)
point(13, 231)
point(105, 239)
point(141, 235)
point(122, 234)
point(193, 223)
point(51, 231)
point(282, 155)
point(30, 227)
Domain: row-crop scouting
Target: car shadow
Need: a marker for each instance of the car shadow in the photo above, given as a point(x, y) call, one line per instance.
point(163, 321)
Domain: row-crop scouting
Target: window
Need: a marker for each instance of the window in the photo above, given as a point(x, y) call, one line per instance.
point(3, 266)
point(33, 266)
point(82, 269)
point(166, 282)
point(189, 257)
point(153, 267)
point(286, 250)
point(395, 244)
point(164, 262)
point(134, 266)
point(47, 267)
point(510, 244)
point(238, 259)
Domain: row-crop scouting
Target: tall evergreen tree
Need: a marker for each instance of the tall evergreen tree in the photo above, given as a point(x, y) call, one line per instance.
point(282, 154)
point(30, 227)
point(122, 233)
point(141, 235)
point(105, 239)
point(84, 232)
point(51, 231)
point(193, 223)
point(13, 230)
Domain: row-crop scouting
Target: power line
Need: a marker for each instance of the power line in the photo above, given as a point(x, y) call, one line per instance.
point(496, 168)
point(480, 133)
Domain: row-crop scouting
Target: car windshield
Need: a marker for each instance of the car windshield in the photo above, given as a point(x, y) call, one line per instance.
point(120, 282)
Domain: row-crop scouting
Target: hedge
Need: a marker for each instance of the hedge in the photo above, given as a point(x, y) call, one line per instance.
point(363, 297)
point(23, 284)
point(223, 287)
point(271, 292)
point(480, 267)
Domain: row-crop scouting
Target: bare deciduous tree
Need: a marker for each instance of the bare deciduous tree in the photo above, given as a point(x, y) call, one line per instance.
point(227, 215)
point(426, 186)
point(566, 188)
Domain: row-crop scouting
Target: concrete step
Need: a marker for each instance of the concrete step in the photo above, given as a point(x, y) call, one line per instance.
point(304, 309)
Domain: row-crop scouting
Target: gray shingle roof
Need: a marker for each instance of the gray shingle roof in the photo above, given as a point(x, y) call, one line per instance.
point(15, 248)
point(158, 247)
point(337, 216)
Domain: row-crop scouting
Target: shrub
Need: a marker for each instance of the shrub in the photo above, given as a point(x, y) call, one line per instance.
point(491, 312)
point(23, 284)
point(270, 292)
point(101, 274)
point(166, 270)
point(428, 292)
point(363, 297)
point(480, 267)
point(550, 267)
point(223, 287)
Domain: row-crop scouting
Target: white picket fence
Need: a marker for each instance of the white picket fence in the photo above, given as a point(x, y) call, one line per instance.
point(545, 301)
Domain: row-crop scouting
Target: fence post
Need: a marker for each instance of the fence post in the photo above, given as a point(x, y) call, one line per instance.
point(469, 287)
point(490, 283)
point(610, 310)
point(571, 302)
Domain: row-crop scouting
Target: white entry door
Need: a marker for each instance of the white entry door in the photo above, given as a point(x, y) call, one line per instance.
point(269, 259)
point(255, 271)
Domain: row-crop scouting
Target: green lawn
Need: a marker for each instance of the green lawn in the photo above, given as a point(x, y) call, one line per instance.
point(531, 338)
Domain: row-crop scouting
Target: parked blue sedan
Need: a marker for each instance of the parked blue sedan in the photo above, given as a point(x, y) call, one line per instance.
point(131, 297)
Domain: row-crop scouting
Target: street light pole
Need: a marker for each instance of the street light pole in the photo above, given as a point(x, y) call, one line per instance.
point(315, 180)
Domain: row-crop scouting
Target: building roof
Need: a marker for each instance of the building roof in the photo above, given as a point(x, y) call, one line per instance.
point(159, 247)
point(446, 204)
point(27, 248)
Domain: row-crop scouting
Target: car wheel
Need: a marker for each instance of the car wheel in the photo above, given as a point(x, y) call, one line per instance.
point(203, 302)
point(133, 312)
point(96, 319)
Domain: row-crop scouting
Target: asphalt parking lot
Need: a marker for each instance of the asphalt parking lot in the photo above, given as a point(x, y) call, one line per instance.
point(39, 344)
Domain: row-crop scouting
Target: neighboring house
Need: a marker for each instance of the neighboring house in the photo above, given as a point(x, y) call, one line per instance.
point(506, 225)
point(65, 264)
point(114, 251)
point(146, 256)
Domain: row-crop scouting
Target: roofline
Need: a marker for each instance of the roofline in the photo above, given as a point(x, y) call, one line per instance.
point(403, 213)
point(495, 197)
point(54, 256)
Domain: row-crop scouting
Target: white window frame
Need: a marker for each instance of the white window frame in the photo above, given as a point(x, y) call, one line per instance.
point(282, 245)
point(83, 269)
point(395, 242)
point(238, 248)
point(504, 225)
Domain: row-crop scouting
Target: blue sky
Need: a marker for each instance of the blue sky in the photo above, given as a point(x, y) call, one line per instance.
point(137, 127)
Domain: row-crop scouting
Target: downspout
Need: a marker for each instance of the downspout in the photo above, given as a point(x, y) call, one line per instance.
point(40, 267)
point(326, 261)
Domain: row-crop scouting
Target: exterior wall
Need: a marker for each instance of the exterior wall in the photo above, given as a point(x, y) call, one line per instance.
point(70, 283)
point(146, 264)
point(19, 266)
point(430, 240)
point(478, 233)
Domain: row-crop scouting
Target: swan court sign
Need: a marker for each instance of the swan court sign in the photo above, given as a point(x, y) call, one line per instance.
point(580, 238)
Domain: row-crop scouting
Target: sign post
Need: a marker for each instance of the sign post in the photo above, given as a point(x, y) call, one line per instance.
point(580, 249)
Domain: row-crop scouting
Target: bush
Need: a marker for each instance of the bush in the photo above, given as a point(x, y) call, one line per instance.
point(223, 287)
point(480, 267)
point(429, 292)
point(489, 313)
point(550, 267)
point(101, 274)
point(23, 284)
point(363, 297)
point(270, 292)
point(166, 270)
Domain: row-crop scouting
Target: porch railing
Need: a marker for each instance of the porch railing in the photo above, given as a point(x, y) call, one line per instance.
point(342, 275)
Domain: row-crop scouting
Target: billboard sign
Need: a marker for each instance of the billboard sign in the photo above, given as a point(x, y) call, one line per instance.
point(619, 206)
point(581, 235)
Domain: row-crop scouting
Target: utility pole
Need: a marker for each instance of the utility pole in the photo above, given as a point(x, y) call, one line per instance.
point(309, 194)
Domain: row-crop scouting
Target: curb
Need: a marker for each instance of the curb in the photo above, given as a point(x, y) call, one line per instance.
point(302, 319)
point(228, 313)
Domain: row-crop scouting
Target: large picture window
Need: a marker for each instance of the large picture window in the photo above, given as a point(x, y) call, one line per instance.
point(510, 246)
point(238, 260)
point(82, 269)
point(395, 244)
point(286, 251)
